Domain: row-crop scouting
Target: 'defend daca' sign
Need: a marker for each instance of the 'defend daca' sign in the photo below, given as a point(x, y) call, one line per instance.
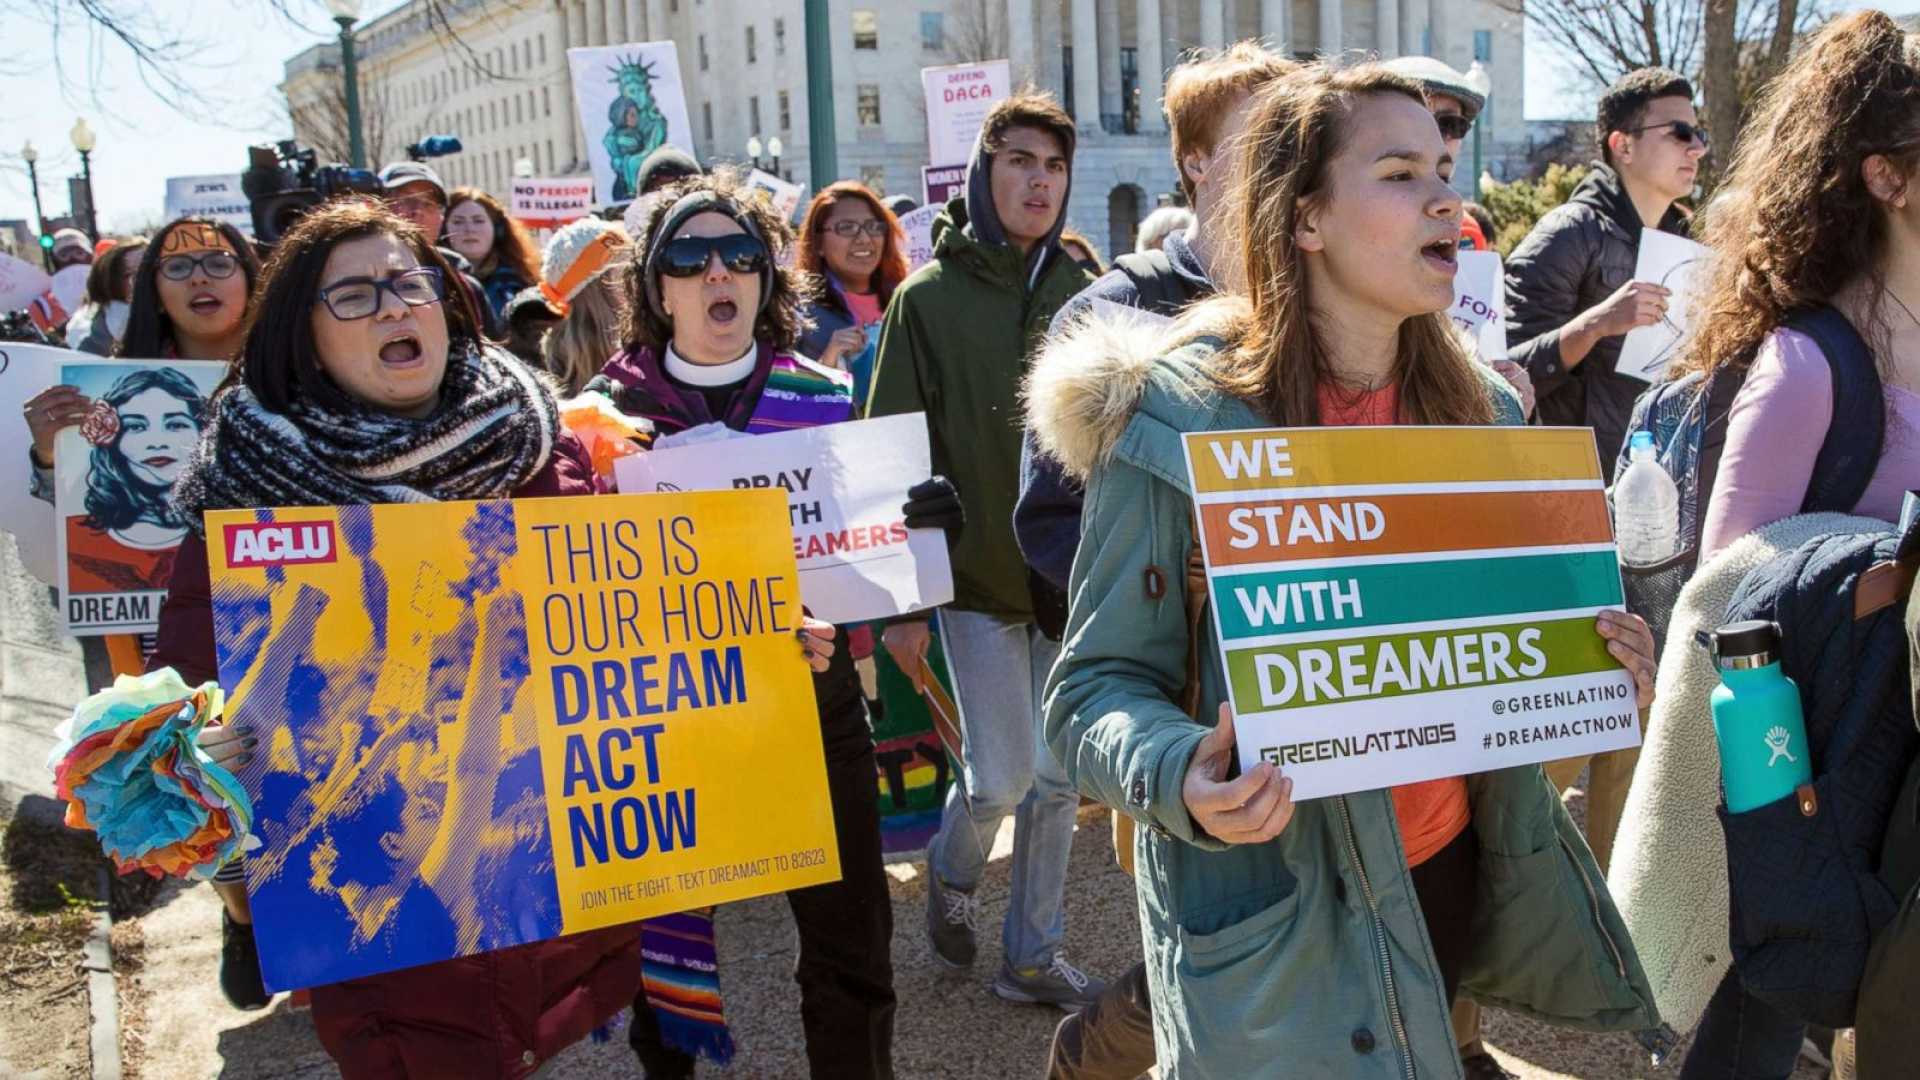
point(1396, 604)
point(486, 724)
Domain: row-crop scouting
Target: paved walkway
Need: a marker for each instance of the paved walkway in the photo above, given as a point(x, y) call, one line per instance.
point(949, 1025)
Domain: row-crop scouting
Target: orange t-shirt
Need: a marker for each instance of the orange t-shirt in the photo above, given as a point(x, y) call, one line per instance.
point(1432, 812)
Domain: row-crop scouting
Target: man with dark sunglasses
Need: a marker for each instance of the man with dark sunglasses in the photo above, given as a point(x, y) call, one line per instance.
point(1453, 100)
point(1570, 282)
point(1573, 298)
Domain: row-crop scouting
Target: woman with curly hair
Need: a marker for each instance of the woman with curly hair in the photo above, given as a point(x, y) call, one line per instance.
point(1819, 219)
point(1818, 210)
point(713, 320)
point(852, 243)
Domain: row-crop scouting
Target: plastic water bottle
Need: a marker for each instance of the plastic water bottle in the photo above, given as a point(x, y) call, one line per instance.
point(1646, 507)
point(1757, 718)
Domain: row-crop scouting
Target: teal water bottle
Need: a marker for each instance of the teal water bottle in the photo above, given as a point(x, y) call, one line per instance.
point(1757, 718)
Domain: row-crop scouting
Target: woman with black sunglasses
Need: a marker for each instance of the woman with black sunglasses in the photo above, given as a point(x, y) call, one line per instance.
point(360, 383)
point(713, 321)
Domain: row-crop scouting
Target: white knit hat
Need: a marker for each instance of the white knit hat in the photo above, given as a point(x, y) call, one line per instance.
point(569, 244)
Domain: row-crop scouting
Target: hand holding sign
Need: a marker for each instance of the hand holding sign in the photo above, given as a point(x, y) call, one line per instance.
point(1633, 305)
point(1630, 641)
point(1652, 308)
point(1251, 809)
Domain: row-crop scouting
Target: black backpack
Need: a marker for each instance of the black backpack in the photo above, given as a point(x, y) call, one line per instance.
point(1807, 874)
point(1687, 418)
point(1163, 291)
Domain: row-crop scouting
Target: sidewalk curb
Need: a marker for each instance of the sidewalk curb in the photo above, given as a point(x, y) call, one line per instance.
point(103, 997)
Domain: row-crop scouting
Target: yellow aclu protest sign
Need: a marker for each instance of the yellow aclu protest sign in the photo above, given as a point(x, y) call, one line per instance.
point(485, 724)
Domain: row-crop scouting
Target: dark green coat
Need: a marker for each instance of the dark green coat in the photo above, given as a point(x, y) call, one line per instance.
point(956, 344)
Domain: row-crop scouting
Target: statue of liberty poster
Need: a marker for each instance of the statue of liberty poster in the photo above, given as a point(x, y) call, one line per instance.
point(631, 104)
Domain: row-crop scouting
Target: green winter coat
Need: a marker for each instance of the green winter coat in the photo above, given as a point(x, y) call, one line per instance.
point(1305, 956)
point(955, 345)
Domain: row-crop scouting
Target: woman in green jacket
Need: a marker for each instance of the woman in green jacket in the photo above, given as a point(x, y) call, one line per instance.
point(1326, 938)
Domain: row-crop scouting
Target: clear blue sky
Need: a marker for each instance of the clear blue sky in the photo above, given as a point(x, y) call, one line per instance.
point(142, 141)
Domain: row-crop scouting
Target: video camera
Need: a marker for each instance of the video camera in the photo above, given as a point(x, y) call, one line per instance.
point(283, 181)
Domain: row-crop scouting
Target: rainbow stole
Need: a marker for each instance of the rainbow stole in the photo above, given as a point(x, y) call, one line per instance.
point(680, 973)
point(799, 394)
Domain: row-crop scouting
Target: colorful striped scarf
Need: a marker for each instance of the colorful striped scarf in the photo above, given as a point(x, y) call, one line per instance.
point(680, 970)
point(784, 392)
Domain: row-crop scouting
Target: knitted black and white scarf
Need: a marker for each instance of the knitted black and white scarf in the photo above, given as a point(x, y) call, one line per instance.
point(492, 432)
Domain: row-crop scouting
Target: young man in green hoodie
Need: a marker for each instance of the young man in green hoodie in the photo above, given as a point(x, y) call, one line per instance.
point(955, 345)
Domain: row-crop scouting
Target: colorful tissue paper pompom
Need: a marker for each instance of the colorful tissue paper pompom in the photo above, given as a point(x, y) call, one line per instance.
point(129, 768)
point(606, 432)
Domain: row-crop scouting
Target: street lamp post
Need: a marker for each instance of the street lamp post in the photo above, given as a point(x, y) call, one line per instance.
point(29, 155)
point(753, 149)
point(346, 12)
point(773, 151)
point(822, 145)
point(1479, 80)
point(83, 141)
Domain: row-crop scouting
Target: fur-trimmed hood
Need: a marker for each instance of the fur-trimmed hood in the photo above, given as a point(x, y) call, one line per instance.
point(1091, 377)
point(1094, 373)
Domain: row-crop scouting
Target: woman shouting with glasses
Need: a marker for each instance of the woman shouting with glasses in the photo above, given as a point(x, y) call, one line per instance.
point(364, 380)
point(853, 243)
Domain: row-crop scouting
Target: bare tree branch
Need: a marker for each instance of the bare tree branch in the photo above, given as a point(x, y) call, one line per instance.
point(322, 124)
point(976, 31)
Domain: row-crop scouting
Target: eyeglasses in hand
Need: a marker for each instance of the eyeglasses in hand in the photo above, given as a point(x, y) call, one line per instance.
point(359, 297)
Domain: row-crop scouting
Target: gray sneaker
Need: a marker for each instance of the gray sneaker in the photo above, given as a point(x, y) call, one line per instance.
point(953, 919)
point(1058, 983)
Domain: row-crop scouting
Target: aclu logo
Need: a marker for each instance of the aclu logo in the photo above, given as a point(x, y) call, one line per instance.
point(280, 544)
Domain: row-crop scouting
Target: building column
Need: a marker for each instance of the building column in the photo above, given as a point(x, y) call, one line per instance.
point(1213, 24)
point(587, 25)
point(1050, 70)
point(617, 16)
point(1330, 27)
point(1020, 40)
point(1415, 28)
point(609, 12)
point(1108, 28)
point(1276, 17)
point(569, 110)
point(1153, 67)
point(657, 23)
point(1086, 66)
point(1386, 27)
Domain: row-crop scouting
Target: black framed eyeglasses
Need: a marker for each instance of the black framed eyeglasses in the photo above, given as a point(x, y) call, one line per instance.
point(1681, 130)
point(1453, 125)
point(851, 229)
point(359, 297)
point(689, 255)
point(218, 265)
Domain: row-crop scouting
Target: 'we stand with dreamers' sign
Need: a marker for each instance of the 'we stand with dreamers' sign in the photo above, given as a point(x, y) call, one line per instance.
point(1396, 604)
point(489, 723)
